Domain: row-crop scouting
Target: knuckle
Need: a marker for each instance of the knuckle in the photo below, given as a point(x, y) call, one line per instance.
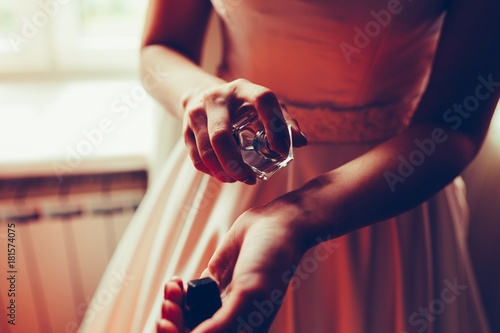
point(219, 136)
point(192, 152)
point(196, 113)
point(207, 153)
point(207, 96)
point(217, 96)
point(187, 137)
point(239, 82)
point(219, 99)
point(199, 165)
point(197, 162)
point(265, 97)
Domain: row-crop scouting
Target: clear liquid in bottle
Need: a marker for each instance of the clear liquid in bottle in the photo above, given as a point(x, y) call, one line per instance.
point(250, 135)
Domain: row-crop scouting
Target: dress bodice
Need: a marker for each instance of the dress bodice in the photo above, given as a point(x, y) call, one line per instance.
point(348, 70)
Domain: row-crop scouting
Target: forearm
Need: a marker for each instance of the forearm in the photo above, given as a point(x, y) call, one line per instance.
point(379, 184)
point(172, 78)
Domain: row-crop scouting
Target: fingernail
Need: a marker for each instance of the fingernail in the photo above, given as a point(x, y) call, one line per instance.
point(250, 181)
point(177, 280)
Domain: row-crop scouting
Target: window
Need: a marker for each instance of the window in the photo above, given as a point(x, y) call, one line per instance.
point(16, 53)
point(70, 35)
point(6, 16)
point(115, 17)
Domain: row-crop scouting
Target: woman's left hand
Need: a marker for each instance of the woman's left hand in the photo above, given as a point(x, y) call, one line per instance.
point(252, 267)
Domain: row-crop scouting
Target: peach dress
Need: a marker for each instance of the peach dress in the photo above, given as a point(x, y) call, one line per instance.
point(352, 73)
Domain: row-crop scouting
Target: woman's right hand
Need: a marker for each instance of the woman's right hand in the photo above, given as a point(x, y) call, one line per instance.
point(207, 128)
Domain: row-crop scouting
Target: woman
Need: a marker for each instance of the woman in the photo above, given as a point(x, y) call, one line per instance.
point(395, 99)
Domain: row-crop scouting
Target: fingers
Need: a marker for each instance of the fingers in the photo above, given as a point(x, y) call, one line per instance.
point(269, 111)
point(173, 312)
point(172, 308)
point(208, 131)
point(220, 131)
point(253, 263)
point(165, 326)
point(211, 145)
point(241, 300)
point(221, 265)
point(174, 290)
point(192, 147)
point(198, 124)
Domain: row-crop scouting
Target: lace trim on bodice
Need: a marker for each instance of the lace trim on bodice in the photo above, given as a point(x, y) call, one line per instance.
point(368, 124)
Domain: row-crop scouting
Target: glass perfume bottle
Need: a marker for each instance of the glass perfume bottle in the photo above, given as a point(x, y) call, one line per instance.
point(250, 135)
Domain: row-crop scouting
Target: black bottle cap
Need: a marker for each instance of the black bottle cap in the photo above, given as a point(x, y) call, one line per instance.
point(202, 300)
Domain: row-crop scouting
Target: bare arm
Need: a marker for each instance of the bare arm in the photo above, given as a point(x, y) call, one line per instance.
point(171, 73)
point(171, 49)
point(450, 123)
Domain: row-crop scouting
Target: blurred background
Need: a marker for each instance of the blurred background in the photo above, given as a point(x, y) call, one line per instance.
point(77, 141)
point(80, 141)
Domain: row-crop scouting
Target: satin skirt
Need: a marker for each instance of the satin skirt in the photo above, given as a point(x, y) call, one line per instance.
point(411, 273)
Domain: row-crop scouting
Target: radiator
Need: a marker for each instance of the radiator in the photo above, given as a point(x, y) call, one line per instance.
point(61, 235)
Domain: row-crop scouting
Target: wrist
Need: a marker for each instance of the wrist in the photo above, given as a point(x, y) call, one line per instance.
point(319, 214)
point(194, 94)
